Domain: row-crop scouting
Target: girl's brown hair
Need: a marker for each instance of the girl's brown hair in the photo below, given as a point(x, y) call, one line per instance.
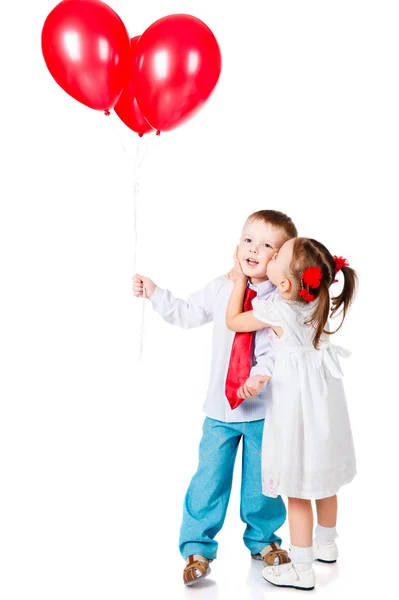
point(310, 253)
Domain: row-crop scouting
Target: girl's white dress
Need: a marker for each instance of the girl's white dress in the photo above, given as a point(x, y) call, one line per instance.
point(307, 449)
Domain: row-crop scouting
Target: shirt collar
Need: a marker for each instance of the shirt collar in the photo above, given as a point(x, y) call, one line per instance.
point(262, 288)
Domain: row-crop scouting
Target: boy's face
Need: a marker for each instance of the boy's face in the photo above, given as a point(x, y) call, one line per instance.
point(258, 244)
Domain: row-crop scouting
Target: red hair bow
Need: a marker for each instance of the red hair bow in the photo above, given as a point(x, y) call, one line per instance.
point(311, 278)
point(306, 295)
point(340, 262)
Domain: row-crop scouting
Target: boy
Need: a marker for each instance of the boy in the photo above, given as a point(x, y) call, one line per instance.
point(234, 407)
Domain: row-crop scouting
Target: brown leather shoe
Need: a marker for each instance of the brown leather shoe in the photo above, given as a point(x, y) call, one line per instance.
point(273, 555)
point(197, 568)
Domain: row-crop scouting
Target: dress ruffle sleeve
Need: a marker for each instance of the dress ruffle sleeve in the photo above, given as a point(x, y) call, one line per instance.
point(267, 311)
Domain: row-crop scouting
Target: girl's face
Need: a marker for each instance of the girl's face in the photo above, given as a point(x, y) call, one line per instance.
point(278, 269)
point(258, 243)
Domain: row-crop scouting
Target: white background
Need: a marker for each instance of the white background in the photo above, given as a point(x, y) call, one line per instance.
point(97, 450)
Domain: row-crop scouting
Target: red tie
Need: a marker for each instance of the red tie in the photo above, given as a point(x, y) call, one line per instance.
point(240, 358)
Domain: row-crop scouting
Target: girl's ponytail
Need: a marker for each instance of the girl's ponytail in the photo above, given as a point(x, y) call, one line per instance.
point(346, 296)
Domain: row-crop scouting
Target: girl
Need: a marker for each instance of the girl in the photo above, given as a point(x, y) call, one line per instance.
point(307, 451)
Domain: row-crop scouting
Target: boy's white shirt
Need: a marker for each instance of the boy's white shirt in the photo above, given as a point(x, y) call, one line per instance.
point(210, 304)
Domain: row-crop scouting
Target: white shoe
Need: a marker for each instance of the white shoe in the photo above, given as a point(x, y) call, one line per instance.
point(287, 576)
point(325, 551)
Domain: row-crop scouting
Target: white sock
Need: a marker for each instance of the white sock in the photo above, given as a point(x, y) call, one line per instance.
point(302, 558)
point(325, 535)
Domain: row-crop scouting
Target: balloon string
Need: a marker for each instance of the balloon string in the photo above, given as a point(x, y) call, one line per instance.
point(136, 188)
point(138, 163)
point(117, 132)
point(142, 332)
point(148, 147)
point(135, 182)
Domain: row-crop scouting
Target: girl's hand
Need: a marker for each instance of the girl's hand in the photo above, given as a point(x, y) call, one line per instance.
point(236, 273)
point(252, 386)
point(139, 283)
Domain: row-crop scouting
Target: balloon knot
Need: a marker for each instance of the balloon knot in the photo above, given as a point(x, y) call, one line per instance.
point(158, 132)
point(106, 112)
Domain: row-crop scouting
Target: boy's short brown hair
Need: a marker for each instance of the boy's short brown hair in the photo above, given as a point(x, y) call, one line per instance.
point(277, 219)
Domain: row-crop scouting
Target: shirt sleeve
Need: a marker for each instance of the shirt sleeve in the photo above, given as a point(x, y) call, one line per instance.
point(263, 357)
point(195, 311)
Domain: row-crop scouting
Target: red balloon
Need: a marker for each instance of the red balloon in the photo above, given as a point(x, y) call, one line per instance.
point(86, 48)
point(177, 66)
point(127, 107)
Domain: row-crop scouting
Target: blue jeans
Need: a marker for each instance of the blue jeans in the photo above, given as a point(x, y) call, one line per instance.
point(207, 497)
